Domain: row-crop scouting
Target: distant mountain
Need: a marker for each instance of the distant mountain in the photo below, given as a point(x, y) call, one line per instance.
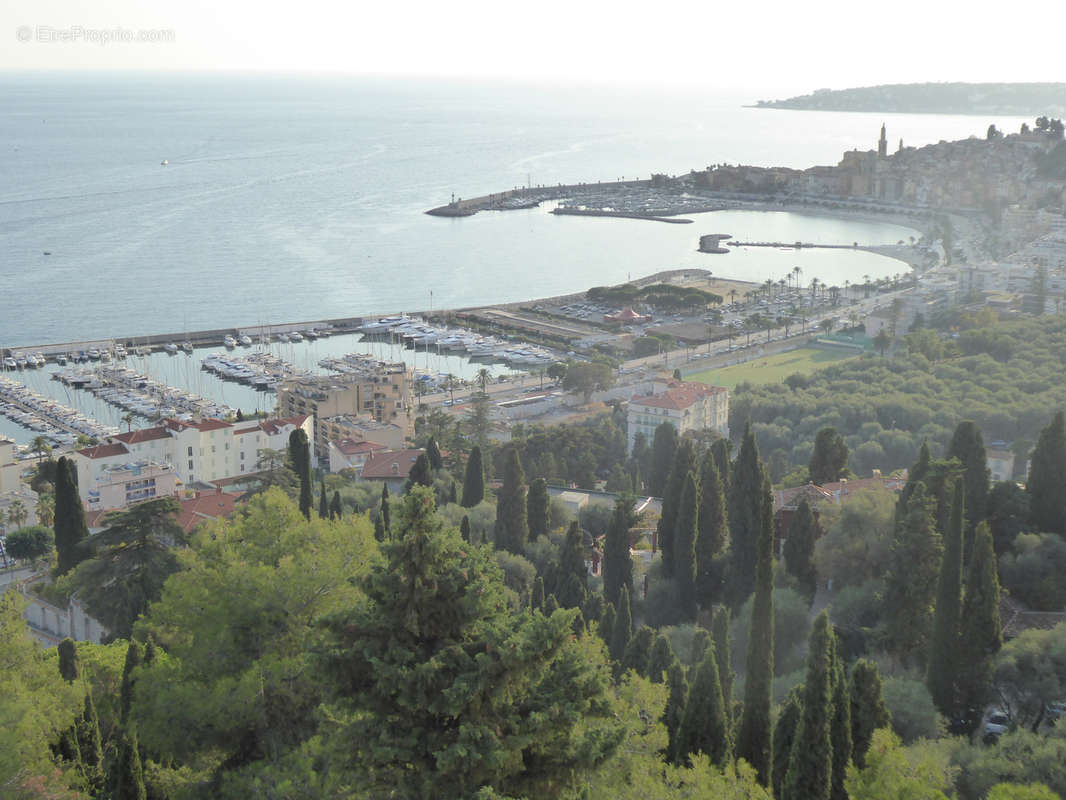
point(1021, 99)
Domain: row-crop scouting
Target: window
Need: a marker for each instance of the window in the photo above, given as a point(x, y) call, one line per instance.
point(227, 445)
point(242, 457)
point(190, 452)
point(190, 467)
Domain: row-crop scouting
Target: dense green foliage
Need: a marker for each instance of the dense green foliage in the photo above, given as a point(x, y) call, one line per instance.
point(799, 549)
point(868, 710)
point(810, 766)
point(943, 667)
point(300, 462)
point(705, 723)
point(830, 457)
point(1047, 478)
point(70, 527)
point(474, 482)
point(512, 522)
point(685, 536)
point(538, 507)
point(713, 540)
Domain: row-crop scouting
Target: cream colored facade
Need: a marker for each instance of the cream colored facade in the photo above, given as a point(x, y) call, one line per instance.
point(9, 467)
point(686, 406)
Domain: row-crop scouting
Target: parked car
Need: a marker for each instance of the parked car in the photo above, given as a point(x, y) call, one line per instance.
point(996, 724)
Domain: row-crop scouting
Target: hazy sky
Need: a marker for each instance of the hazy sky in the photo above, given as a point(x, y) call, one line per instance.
point(772, 46)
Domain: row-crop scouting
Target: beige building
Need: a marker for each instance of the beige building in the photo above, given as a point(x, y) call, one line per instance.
point(362, 429)
point(9, 467)
point(378, 389)
point(686, 406)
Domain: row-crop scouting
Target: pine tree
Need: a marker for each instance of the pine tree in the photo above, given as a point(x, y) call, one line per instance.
point(755, 737)
point(705, 724)
point(911, 578)
point(323, 503)
point(464, 529)
point(537, 599)
point(943, 656)
point(663, 449)
point(474, 482)
point(420, 474)
point(300, 459)
point(713, 539)
point(968, 446)
point(617, 563)
point(335, 510)
point(128, 774)
point(386, 522)
point(830, 457)
point(133, 660)
point(868, 709)
point(538, 509)
point(723, 651)
point(785, 736)
point(684, 462)
point(623, 627)
point(745, 517)
point(799, 550)
point(433, 454)
point(980, 630)
point(674, 713)
point(512, 524)
point(1046, 486)
point(685, 537)
point(68, 660)
point(638, 652)
point(810, 767)
point(68, 518)
point(606, 628)
point(840, 732)
point(662, 656)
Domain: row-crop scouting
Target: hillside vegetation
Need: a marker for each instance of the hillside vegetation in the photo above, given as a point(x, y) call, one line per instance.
point(936, 98)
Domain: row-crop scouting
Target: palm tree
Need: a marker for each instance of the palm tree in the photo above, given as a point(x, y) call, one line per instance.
point(483, 378)
point(128, 419)
point(46, 509)
point(866, 285)
point(814, 289)
point(17, 514)
point(827, 326)
point(796, 273)
point(733, 296)
point(769, 284)
point(847, 283)
point(41, 448)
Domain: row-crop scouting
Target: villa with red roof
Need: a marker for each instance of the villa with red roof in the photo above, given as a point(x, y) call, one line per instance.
point(686, 406)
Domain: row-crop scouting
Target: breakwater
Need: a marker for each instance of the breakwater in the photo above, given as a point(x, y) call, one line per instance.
point(524, 197)
point(596, 212)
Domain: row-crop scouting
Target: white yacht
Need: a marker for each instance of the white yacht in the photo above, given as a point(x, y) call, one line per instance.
point(170, 347)
point(246, 340)
point(296, 336)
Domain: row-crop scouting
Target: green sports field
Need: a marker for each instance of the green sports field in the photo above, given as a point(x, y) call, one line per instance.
point(769, 369)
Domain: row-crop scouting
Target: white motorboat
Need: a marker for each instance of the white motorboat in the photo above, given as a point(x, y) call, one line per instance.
point(229, 341)
point(246, 340)
point(170, 347)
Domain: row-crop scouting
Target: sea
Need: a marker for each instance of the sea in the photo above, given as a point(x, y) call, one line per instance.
point(288, 199)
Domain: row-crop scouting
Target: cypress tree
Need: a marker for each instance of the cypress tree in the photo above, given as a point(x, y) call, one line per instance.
point(453, 494)
point(433, 454)
point(537, 599)
point(810, 767)
point(674, 713)
point(617, 563)
point(943, 656)
point(638, 652)
point(68, 660)
point(592, 611)
point(701, 642)
point(868, 709)
point(968, 446)
point(980, 630)
point(335, 510)
point(133, 660)
point(464, 530)
point(723, 651)
point(684, 462)
point(662, 656)
point(570, 571)
point(551, 605)
point(379, 528)
point(915, 475)
point(538, 509)
point(840, 732)
point(722, 449)
point(704, 724)
point(385, 510)
point(323, 503)
point(300, 458)
point(713, 539)
point(66, 747)
point(474, 482)
point(745, 517)
point(911, 578)
point(129, 775)
point(572, 593)
point(623, 627)
point(420, 474)
point(755, 737)
point(830, 457)
point(69, 518)
point(512, 525)
point(685, 537)
point(151, 652)
point(785, 736)
point(663, 449)
point(1046, 485)
point(799, 550)
point(89, 746)
point(606, 629)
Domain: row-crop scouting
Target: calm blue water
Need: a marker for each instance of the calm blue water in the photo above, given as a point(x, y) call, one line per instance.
point(299, 199)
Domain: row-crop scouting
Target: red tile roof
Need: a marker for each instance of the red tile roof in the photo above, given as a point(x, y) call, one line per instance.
point(206, 507)
point(104, 450)
point(143, 435)
point(273, 426)
point(679, 396)
point(380, 465)
point(243, 431)
point(350, 447)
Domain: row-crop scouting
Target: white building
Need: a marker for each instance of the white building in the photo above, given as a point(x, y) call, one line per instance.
point(208, 450)
point(686, 406)
point(9, 467)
